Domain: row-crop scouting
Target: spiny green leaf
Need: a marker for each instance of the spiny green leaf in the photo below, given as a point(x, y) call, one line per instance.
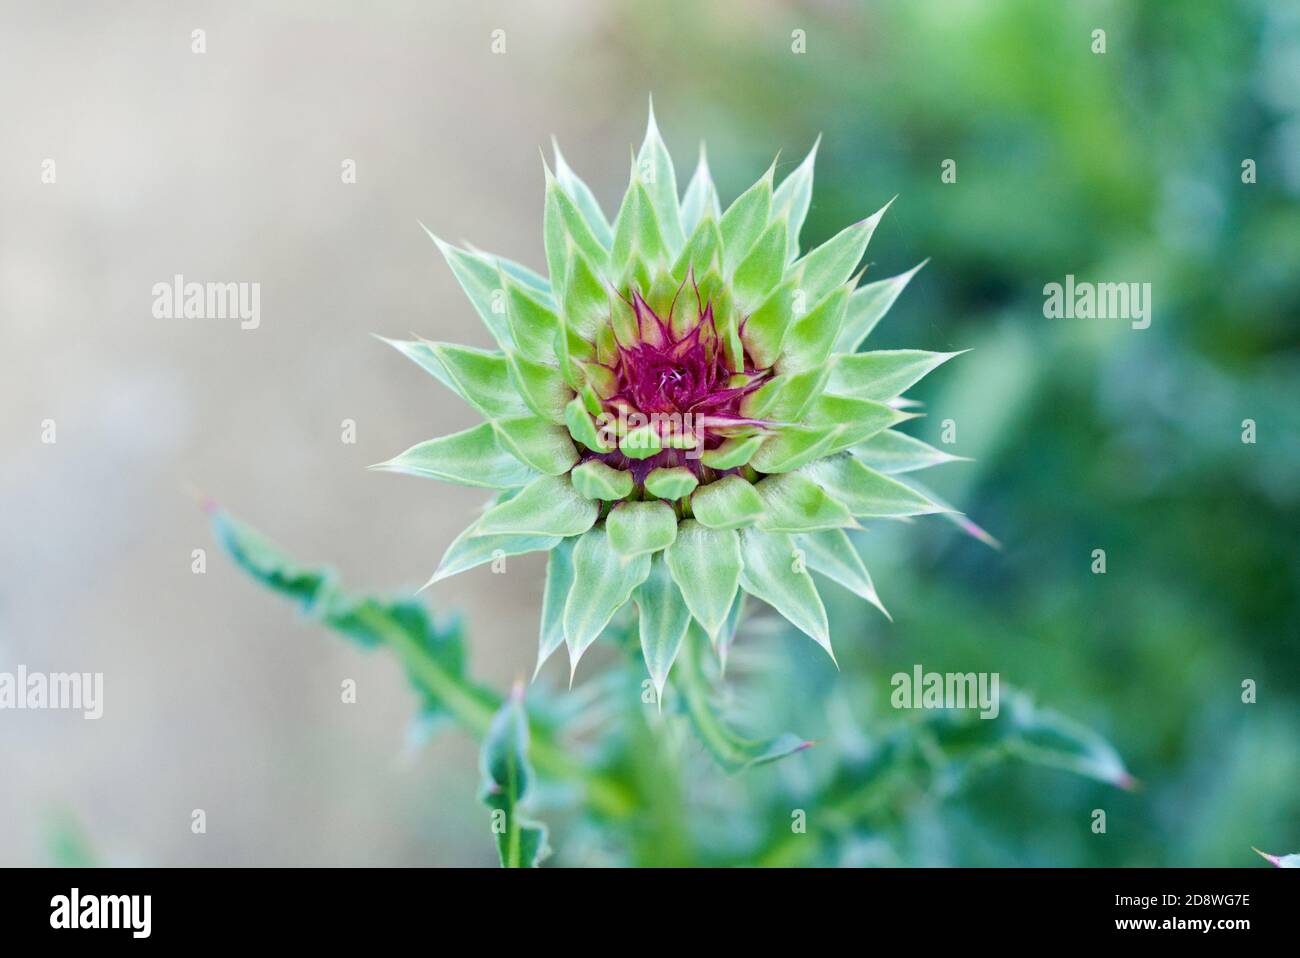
point(637, 528)
point(831, 264)
point(773, 573)
point(812, 337)
point(866, 492)
point(559, 580)
point(656, 169)
point(267, 563)
point(533, 325)
point(728, 503)
point(479, 377)
point(479, 277)
point(761, 269)
point(702, 253)
point(700, 201)
point(470, 458)
point(582, 198)
point(892, 453)
point(468, 550)
point(857, 419)
point(745, 220)
point(794, 503)
point(507, 776)
point(868, 306)
point(548, 506)
point(664, 617)
point(794, 446)
point(563, 224)
point(884, 374)
point(833, 554)
point(767, 327)
point(792, 199)
point(586, 296)
point(705, 564)
point(637, 235)
point(603, 581)
point(543, 388)
point(546, 447)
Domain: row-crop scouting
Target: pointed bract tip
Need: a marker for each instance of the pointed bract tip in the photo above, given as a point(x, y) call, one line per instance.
point(1127, 782)
point(1275, 860)
point(517, 689)
point(804, 746)
point(443, 246)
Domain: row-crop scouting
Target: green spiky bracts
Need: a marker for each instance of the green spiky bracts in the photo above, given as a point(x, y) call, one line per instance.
point(679, 414)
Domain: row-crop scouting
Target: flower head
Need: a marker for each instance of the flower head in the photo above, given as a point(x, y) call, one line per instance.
point(679, 414)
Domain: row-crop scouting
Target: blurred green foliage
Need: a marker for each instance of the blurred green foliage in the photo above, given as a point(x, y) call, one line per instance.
point(1125, 167)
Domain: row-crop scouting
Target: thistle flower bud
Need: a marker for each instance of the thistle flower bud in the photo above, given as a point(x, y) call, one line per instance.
point(679, 414)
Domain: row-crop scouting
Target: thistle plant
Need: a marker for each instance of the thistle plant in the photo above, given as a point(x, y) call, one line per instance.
point(679, 414)
point(681, 417)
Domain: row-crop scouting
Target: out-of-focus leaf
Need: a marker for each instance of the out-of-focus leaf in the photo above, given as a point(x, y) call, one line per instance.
point(733, 751)
point(1280, 861)
point(403, 622)
point(507, 777)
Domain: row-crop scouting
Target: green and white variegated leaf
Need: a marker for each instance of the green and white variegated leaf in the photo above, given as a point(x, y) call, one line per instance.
point(603, 581)
point(664, 617)
point(794, 503)
point(792, 199)
point(732, 750)
point(547, 506)
point(472, 457)
point(656, 170)
point(582, 198)
point(559, 580)
point(479, 277)
point(865, 492)
point(507, 777)
point(868, 306)
point(700, 200)
point(884, 374)
point(705, 564)
point(833, 554)
point(774, 573)
point(893, 453)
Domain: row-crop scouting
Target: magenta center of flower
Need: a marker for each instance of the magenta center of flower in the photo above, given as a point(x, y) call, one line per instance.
point(683, 383)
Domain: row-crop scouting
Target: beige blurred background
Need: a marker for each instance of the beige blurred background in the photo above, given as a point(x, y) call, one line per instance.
point(225, 167)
